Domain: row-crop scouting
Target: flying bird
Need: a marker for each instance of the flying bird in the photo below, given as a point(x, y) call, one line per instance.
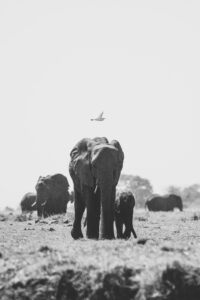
point(99, 118)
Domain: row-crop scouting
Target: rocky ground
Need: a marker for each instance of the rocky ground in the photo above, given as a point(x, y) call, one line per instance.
point(40, 260)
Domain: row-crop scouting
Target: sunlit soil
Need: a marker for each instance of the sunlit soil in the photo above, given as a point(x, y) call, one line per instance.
point(40, 260)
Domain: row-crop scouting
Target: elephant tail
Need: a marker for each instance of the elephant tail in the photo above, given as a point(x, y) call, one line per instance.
point(133, 232)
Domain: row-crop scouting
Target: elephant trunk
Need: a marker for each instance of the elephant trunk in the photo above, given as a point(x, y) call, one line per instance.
point(180, 203)
point(181, 207)
point(39, 211)
point(105, 171)
point(107, 212)
point(41, 203)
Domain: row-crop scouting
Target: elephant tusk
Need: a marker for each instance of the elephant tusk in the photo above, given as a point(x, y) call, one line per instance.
point(33, 204)
point(95, 189)
point(43, 204)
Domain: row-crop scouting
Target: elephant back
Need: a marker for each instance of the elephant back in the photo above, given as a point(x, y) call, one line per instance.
point(54, 184)
point(156, 203)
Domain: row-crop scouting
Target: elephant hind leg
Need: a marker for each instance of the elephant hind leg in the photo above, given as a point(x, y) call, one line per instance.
point(79, 207)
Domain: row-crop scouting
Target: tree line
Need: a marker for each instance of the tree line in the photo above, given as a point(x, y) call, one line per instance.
point(143, 190)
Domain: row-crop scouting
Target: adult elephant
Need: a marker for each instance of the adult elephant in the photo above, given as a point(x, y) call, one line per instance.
point(165, 203)
point(52, 195)
point(124, 206)
point(28, 203)
point(95, 168)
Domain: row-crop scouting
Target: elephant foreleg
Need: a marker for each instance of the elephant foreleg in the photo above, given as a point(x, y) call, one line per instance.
point(107, 213)
point(128, 221)
point(93, 214)
point(119, 227)
point(79, 207)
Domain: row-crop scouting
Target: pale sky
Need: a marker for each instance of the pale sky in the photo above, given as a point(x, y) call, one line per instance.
point(63, 62)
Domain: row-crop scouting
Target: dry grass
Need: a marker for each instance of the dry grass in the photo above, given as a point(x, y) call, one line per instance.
point(42, 261)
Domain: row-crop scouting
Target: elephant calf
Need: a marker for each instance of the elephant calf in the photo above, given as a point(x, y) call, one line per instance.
point(124, 206)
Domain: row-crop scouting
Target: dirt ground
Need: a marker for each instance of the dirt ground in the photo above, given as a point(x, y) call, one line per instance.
point(40, 260)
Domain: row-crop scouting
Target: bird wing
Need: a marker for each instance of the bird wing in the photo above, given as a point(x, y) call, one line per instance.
point(100, 116)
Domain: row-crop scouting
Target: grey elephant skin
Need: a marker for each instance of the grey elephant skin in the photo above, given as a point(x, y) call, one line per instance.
point(28, 202)
point(164, 203)
point(124, 207)
point(71, 196)
point(52, 195)
point(95, 169)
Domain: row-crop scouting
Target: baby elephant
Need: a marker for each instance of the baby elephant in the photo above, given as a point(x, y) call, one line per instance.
point(124, 206)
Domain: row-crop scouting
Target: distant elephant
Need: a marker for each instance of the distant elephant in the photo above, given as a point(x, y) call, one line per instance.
point(28, 203)
point(95, 168)
point(164, 203)
point(124, 206)
point(52, 195)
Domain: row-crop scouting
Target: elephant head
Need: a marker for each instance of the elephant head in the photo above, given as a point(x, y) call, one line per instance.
point(95, 169)
point(28, 202)
point(176, 201)
point(43, 191)
point(52, 194)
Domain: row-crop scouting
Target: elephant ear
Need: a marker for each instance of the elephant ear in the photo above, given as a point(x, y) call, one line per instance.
point(80, 169)
point(81, 147)
point(120, 159)
point(120, 154)
point(38, 182)
point(117, 203)
point(60, 182)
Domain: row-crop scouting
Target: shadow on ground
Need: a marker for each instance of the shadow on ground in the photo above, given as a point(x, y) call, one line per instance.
point(52, 276)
